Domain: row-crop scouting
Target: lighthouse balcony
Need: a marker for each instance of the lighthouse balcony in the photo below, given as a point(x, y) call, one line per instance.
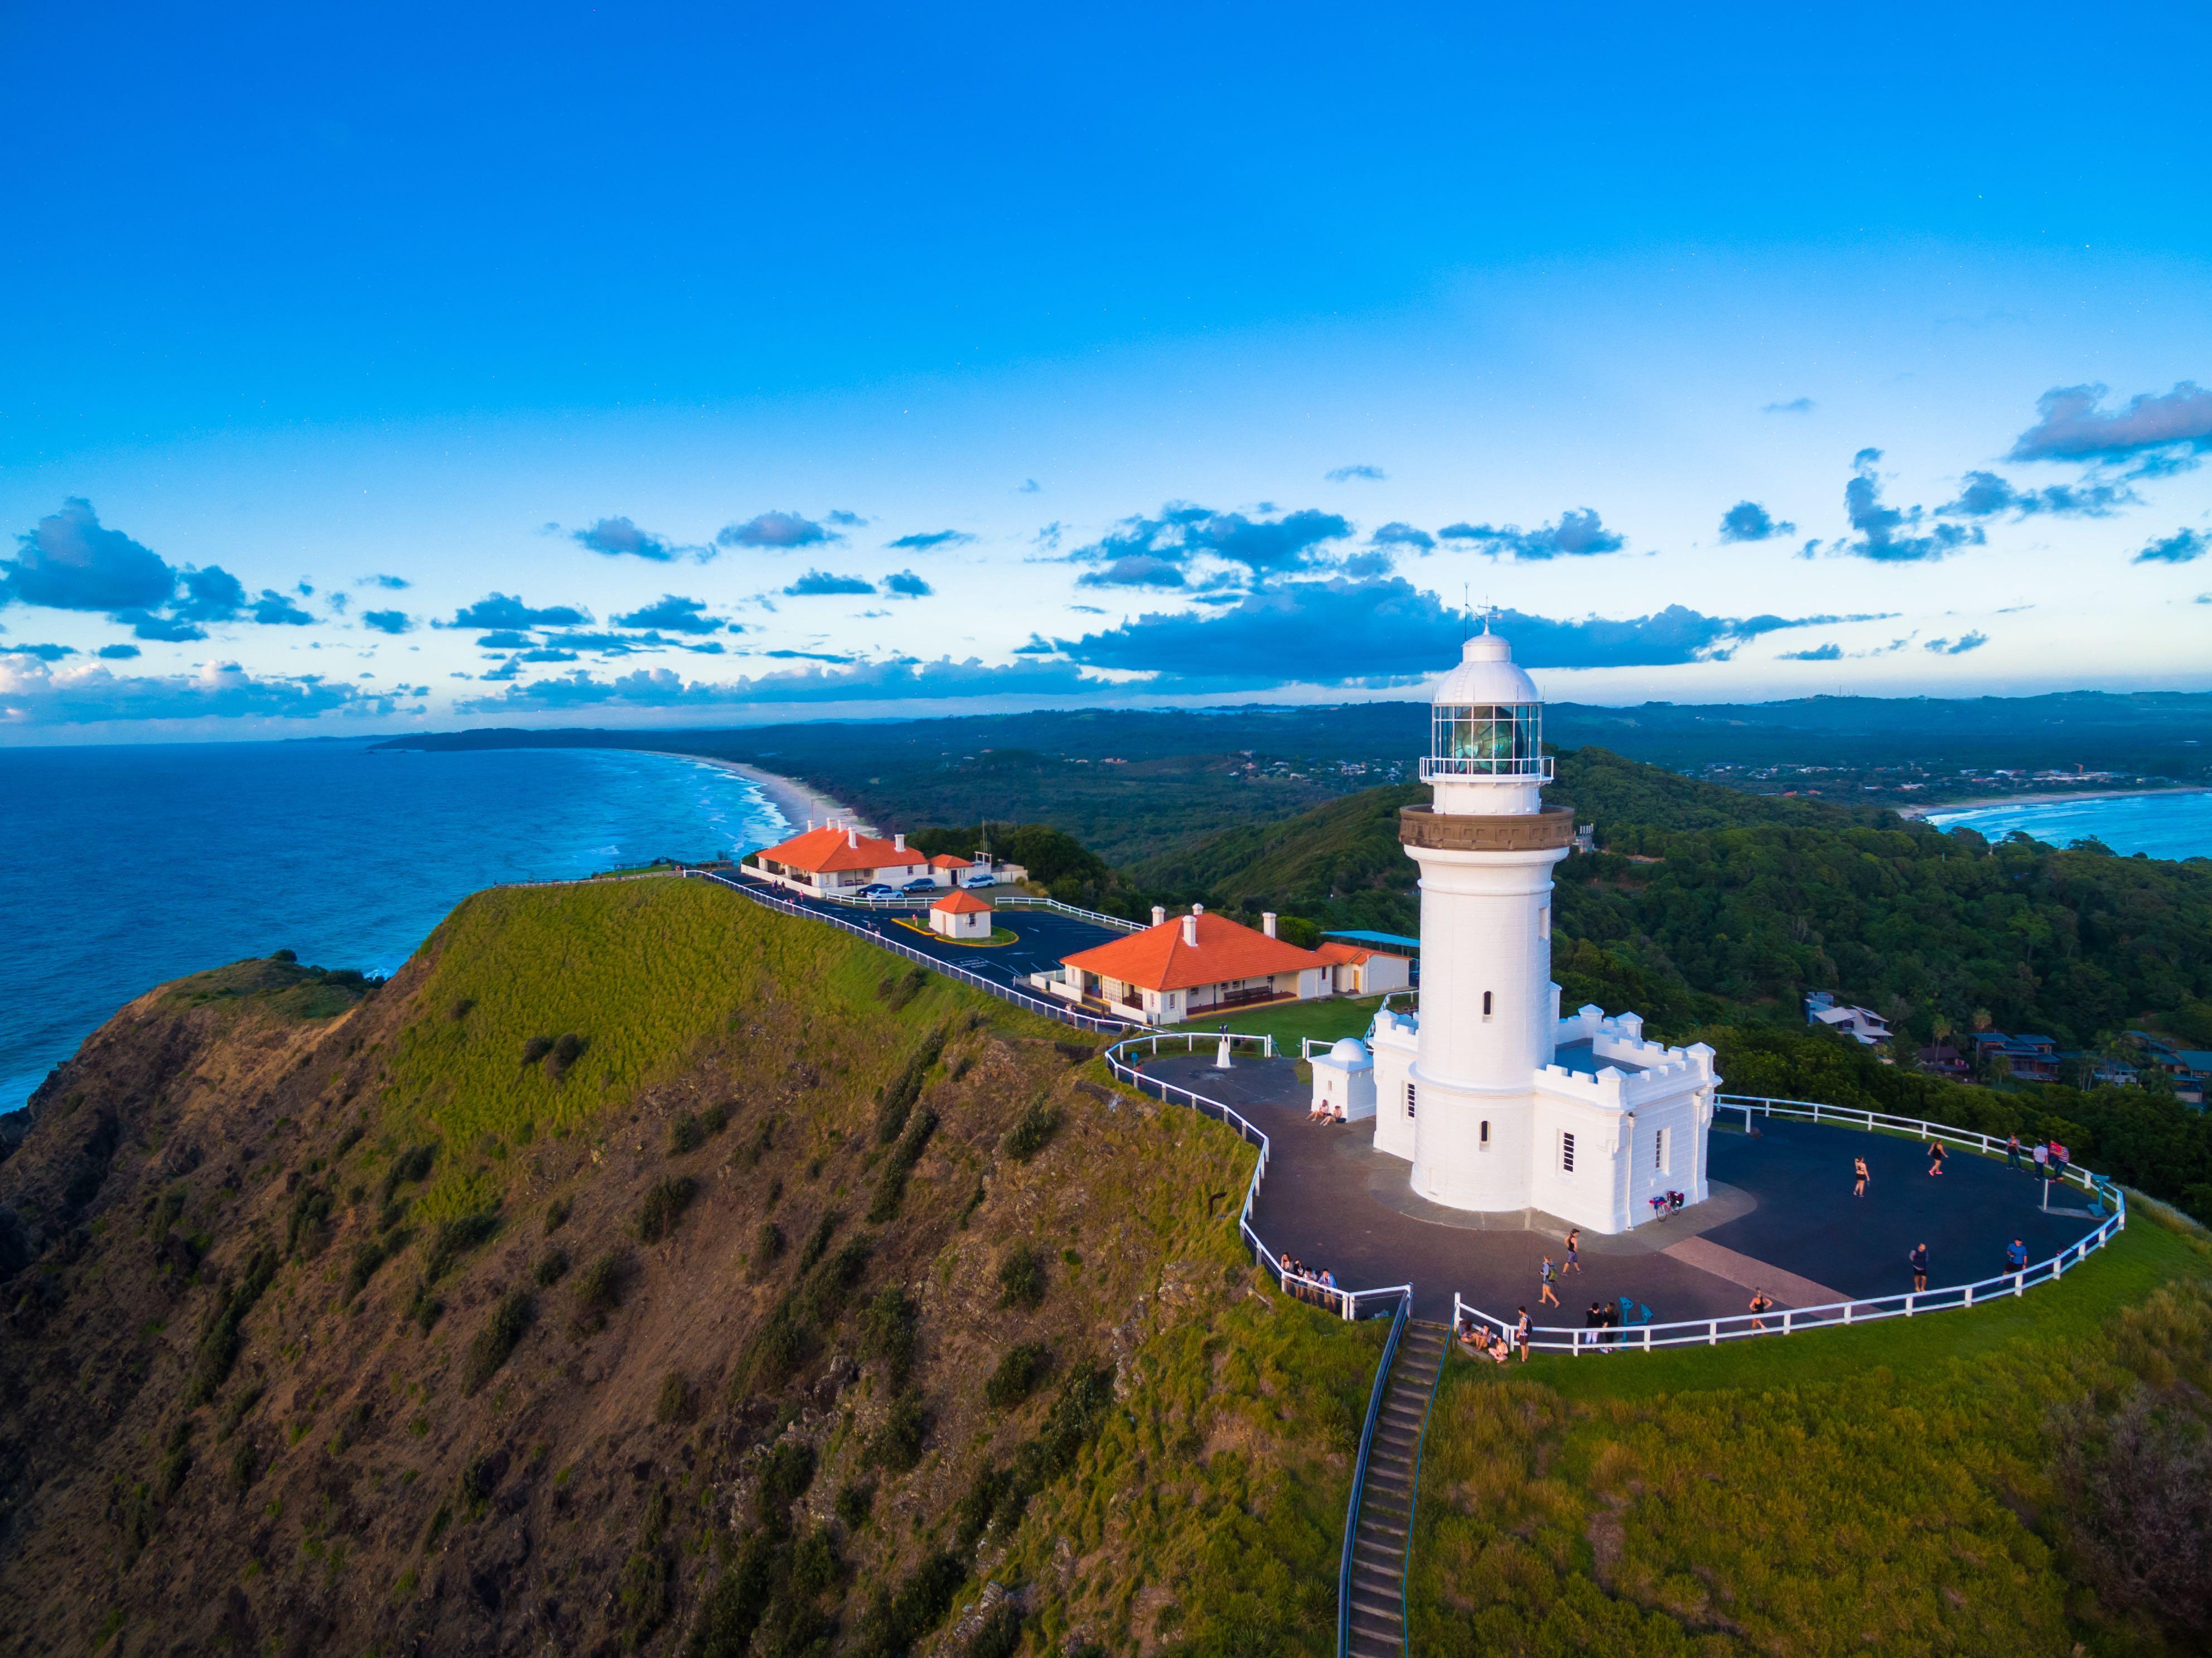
point(1502, 768)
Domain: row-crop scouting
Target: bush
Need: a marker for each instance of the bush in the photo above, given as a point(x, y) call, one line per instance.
point(366, 1258)
point(218, 1348)
point(768, 1246)
point(675, 1404)
point(758, 1143)
point(900, 1093)
point(896, 1621)
point(777, 1351)
point(1017, 1375)
point(786, 1473)
point(284, 956)
point(535, 1050)
point(823, 1297)
point(2139, 1485)
point(888, 1332)
point(665, 1200)
point(716, 1118)
point(455, 1238)
point(1001, 1636)
point(897, 1444)
point(308, 1229)
point(411, 1165)
point(1033, 1133)
point(685, 1133)
point(508, 1322)
point(556, 1216)
point(552, 1268)
point(856, 1500)
point(598, 1285)
point(1021, 1278)
point(890, 1189)
point(566, 1052)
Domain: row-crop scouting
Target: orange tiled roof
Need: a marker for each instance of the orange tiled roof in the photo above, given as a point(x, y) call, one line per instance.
point(948, 860)
point(961, 903)
point(820, 851)
point(1157, 958)
point(1349, 954)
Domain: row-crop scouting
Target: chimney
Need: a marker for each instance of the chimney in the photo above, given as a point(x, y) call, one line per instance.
point(853, 838)
point(1267, 922)
point(898, 841)
point(1190, 927)
point(1159, 914)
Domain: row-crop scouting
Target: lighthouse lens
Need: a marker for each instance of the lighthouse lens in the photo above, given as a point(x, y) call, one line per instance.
point(1487, 739)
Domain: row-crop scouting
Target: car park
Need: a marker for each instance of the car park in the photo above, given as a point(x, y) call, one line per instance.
point(984, 880)
point(919, 884)
point(878, 890)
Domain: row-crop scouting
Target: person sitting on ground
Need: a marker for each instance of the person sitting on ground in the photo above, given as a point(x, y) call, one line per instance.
point(1500, 1351)
point(1760, 1302)
point(1468, 1330)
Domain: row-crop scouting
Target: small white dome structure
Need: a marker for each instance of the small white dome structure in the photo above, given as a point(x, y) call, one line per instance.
point(1344, 1081)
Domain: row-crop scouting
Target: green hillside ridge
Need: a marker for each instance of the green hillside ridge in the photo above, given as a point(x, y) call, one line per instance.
point(641, 1270)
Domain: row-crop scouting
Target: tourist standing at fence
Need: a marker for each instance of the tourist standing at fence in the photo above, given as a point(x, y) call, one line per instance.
point(2016, 1257)
point(1918, 1258)
point(2042, 1161)
point(1594, 1322)
point(1521, 1333)
point(2012, 1151)
point(1859, 1173)
point(2057, 1161)
point(1544, 1275)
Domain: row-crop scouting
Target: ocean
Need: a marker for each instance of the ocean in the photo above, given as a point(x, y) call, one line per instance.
point(2162, 825)
point(122, 867)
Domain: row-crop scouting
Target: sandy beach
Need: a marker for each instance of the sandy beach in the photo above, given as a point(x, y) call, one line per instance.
point(796, 802)
point(2035, 798)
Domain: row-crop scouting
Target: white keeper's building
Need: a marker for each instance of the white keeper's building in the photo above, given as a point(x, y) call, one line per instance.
point(1498, 1103)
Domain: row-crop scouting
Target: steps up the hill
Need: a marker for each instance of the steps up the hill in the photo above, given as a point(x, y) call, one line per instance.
point(1383, 1527)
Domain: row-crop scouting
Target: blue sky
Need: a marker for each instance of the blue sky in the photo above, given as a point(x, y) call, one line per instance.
point(648, 365)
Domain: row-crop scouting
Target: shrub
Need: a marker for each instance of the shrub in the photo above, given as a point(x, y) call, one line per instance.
point(535, 1050)
point(461, 1008)
point(284, 956)
point(818, 1241)
point(786, 1473)
point(243, 1467)
point(219, 1345)
point(556, 1216)
point(856, 1500)
point(675, 1402)
point(598, 1285)
point(1033, 1133)
point(1019, 1373)
point(900, 1093)
point(685, 1133)
point(895, 1622)
point(890, 1188)
point(498, 1337)
point(455, 1238)
point(777, 1351)
point(1021, 1278)
point(176, 1460)
point(888, 1332)
point(665, 1200)
point(307, 1229)
point(346, 1141)
point(409, 1166)
point(897, 1444)
point(823, 1297)
point(2140, 1488)
point(716, 1117)
point(1001, 1636)
point(758, 1143)
point(768, 1245)
point(366, 1258)
point(566, 1052)
point(552, 1268)
point(898, 992)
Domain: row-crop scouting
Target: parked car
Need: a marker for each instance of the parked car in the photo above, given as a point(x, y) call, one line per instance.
point(985, 879)
point(878, 890)
point(919, 884)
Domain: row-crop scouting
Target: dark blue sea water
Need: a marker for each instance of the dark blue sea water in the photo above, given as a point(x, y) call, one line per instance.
point(2172, 825)
point(122, 867)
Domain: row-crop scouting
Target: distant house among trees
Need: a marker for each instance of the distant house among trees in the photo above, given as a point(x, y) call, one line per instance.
point(1862, 1024)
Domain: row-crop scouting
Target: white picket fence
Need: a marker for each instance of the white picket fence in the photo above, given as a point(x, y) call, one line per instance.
point(1868, 1310)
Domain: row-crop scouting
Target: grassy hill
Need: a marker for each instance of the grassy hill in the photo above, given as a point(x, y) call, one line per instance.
point(643, 1270)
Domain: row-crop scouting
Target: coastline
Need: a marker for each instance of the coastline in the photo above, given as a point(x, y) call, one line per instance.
point(794, 802)
point(1986, 802)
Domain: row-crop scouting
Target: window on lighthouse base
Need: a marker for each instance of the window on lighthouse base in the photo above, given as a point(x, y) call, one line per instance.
point(1409, 1102)
point(1566, 1152)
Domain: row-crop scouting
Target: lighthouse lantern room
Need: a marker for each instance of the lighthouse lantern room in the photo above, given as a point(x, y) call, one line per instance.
point(1498, 1103)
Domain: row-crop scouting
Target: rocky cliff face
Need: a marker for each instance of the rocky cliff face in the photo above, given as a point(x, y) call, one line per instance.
point(637, 1271)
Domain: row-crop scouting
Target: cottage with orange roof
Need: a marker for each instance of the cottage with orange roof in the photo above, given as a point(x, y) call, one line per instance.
point(1361, 971)
point(836, 859)
point(962, 914)
point(1190, 967)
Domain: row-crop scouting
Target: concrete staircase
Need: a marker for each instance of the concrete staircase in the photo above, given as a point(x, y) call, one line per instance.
point(1386, 1501)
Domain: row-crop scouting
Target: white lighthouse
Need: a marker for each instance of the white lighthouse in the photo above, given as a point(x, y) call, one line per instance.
point(1499, 1103)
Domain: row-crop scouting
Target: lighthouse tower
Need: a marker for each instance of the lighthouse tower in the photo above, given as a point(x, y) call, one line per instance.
point(1497, 1102)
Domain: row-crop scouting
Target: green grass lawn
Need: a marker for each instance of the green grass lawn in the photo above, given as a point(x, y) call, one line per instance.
point(1896, 1487)
point(1324, 1021)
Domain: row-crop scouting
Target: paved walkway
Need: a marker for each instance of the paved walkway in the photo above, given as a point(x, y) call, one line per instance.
point(1782, 1217)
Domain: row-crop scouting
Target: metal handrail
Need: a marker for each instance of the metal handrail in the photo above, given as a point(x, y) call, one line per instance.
point(1528, 769)
point(951, 970)
point(1359, 1473)
point(1413, 1497)
point(1859, 1309)
point(924, 900)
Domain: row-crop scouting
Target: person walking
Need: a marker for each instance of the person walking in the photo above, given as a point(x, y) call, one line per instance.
point(1574, 1252)
point(1859, 1172)
point(1936, 1152)
point(1521, 1333)
point(1919, 1259)
point(2012, 1151)
point(2016, 1257)
point(1760, 1302)
point(1544, 1276)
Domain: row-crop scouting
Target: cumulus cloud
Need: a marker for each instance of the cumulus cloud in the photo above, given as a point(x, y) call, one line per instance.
point(1403, 535)
point(210, 595)
point(1818, 653)
point(167, 630)
point(390, 583)
point(677, 614)
point(1984, 494)
point(2182, 547)
point(44, 652)
point(1958, 646)
point(843, 519)
point(905, 584)
point(782, 532)
point(274, 610)
point(1159, 552)
point(500, 611)
point(1888, 534)
point(930, 541)
point(818, 583)
point(387, 621)
point(1795, 406)
point(118, 653)
point(617, 537)
point(1342, 631)
point(69, 561)
point(1345, 474)
point(1749, 521)
point(896, 679)
point(2169, 430)
point(1578, 534)
point(33, 693)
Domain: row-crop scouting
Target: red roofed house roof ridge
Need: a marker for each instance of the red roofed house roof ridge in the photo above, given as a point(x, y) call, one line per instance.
point(822, 850)
point(1158, 959)
point(960, 901)
point(949, 861)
